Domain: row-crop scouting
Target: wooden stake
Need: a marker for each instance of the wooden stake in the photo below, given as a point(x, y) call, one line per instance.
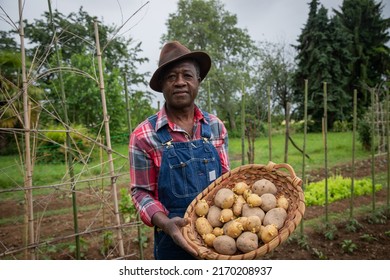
point(68, 142)
point(269, 125)
point(353, 151)
point(243, 126)
point(373, 148)
point(325, 132)
point(304, 144)
point(26, 113)
point(108, 140)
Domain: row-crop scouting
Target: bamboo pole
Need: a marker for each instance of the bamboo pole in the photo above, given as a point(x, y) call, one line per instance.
point(243, 126)
point(108, 140)
point(287, 132)
point(141, 248)
point(325, 133)
point(26, 114)
point(269, 125)
point(388, 148)
point(353, 152)
point(304, 142)
point(68, 153)
point(373, 148)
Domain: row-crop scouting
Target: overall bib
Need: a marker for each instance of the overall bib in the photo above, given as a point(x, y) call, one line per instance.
point(187, 168)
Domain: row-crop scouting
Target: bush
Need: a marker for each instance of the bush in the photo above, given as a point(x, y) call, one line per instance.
point(52, 148)
point(341, 126)
point(364, 132)
point(338, 188)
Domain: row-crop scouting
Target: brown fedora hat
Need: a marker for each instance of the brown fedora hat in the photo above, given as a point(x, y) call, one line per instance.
point(174, 51)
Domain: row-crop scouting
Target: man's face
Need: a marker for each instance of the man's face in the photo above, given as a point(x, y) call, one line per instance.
point(180, 84)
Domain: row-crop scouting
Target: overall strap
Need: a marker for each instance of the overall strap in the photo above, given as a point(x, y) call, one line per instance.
point(162, 134)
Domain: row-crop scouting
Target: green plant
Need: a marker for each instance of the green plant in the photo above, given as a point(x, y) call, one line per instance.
point(387, 233)
point(126, 206)
point(319, 254)
point(353, 225)
point(108, 240)
point(341, 126)
point(143, 237)
point(84, 245)
point(377, 217)
point(338, 188)
point(52, 148)
point(330, 232)
point(368, 237)
point(348, 246)
point(303, 242)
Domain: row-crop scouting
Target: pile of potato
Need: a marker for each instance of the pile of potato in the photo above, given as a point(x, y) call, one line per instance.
point(241, 219)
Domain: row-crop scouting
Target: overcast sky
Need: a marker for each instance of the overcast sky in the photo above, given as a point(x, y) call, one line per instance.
point(275, 21)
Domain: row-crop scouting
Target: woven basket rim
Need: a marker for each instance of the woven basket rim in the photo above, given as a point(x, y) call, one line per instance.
point(205, 252)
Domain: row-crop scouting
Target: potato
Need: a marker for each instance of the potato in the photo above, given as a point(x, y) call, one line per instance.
point(225, 245)
point(268, 201)
point(225, 226)
point(246, 194)
point(243, 221)
point(224, 198)
point(209, 239)
point(254, 200)
point(247, 241)
point(263, 186)
point(203, 226)
point(282, 202)
point(268, 232)
point(252, 224)
point(276, 216)
point(237, 206)
point(214, 215)
point(201, 208)
point(217, 231)
point(252, 211)
point(240, 187)
point(234, 229)
point(226, 215)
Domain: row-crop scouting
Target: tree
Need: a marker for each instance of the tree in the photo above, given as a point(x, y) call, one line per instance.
point(11, 99)
point(76, 44)
point(322, 56)
point(370, 34)
point(206, 25)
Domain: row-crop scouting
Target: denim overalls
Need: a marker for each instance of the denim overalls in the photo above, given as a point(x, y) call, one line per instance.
point(186, 169)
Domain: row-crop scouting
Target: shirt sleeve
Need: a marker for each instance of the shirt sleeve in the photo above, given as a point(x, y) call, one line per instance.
point(220, 141)
point(143, 176)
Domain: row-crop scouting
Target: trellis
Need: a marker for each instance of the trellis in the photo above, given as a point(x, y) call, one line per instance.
point(32, 221)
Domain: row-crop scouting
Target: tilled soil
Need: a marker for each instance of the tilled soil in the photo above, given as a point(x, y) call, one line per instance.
point(54, 232)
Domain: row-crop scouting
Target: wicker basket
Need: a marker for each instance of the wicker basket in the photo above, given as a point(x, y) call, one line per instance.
point(287, 183)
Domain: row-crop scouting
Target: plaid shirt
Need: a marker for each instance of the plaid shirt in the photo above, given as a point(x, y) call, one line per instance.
point(145, 155)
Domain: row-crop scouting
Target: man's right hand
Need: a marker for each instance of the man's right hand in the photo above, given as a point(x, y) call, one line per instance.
point(172, 227)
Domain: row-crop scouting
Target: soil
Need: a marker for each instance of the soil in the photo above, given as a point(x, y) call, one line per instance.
point(370, 238)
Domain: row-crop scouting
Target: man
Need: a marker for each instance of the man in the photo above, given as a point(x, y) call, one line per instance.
point(177, 152)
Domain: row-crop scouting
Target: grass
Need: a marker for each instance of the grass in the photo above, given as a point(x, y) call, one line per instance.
point(339, 151)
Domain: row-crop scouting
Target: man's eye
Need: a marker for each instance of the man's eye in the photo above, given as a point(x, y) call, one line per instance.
point(171, 78)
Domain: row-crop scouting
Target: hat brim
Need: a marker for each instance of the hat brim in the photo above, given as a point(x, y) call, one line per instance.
point(202, 58)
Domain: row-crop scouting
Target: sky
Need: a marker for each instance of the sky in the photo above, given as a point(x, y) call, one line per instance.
point(279, 21)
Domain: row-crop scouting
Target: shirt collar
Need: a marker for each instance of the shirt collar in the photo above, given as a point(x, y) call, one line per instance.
point(162, 118)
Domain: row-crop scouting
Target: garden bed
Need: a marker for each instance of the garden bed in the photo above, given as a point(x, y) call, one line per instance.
point(371, 240)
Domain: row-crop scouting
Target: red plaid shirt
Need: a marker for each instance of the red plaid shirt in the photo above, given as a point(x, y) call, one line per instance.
point(145, 154)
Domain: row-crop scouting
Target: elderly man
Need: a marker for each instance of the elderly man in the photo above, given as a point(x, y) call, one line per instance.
point(177, 152)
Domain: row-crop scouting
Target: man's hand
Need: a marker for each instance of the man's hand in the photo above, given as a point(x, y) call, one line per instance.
point(172, 227)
